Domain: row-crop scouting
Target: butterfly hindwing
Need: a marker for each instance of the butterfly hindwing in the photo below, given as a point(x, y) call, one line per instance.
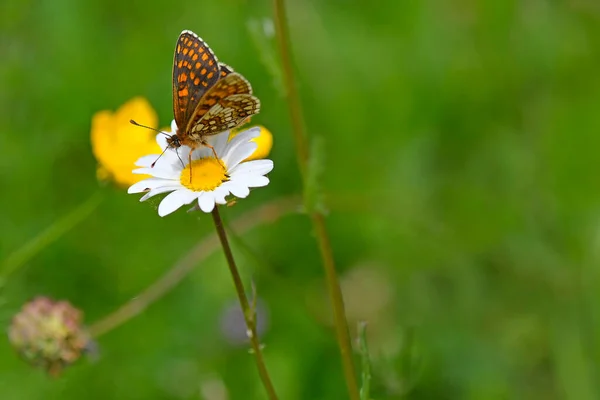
point(229, 113)
point(195, 71)
point(231, 84)
point(225, 69)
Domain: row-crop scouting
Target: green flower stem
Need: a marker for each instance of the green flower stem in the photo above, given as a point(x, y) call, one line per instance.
point(266, 213)
point(20, 257)
point(249, 312)
point(293, 98)
point(317, 218)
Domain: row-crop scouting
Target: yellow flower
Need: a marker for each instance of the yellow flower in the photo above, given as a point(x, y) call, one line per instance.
point(117, 144)
point(264, 141)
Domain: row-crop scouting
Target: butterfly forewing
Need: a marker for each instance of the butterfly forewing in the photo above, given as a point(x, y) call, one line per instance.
point(195, 70)
point(229, 113)
point(231, 84)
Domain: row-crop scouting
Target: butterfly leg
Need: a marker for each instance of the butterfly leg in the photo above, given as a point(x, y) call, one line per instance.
point(190, 164)
point(215, 154)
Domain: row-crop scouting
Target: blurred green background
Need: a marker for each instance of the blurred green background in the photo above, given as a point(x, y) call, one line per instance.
point(460, 169)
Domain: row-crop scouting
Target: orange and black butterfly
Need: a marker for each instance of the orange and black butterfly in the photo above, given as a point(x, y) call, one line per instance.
point(208, 96)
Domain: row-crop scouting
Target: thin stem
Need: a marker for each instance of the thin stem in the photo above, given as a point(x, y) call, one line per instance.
point(266, 213)
point(249, 312)
point(317, 218)
point(293, 98)
point(337, 301)
point(26, 252)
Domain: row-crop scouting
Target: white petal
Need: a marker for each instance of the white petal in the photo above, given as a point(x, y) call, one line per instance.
point(252, 180)
point(175, 200)
point(159, 190)
point(259, 167)
point(202, 152)
point(168, 161)
point(182, 154)
point(161, 140)
point(219, 142)
point(172, 154)
point(240, 153)
point(169, 164)
point(206, 201)
point(173, 159)
point(219, 195)
point(150, 183)
point(188, 195)
point(159, 172)
point(238, 189)
point(146, 161)
point(239, 139)
point(245, 136)
point(173, 127)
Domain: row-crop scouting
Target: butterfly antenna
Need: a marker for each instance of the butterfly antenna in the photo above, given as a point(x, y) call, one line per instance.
point(161, 154)
point(148, 127)
point(155, 130)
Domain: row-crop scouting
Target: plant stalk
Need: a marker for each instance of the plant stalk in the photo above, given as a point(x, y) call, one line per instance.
point(249, 312)
point(317, 218)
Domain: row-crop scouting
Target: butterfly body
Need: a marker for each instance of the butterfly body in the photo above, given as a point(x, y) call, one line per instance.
point(208, 96)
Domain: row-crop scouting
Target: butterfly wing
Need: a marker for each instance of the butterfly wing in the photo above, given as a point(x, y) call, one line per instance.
point(227, 114)
point(195, 70)
point(225, 69)
point(231, 84)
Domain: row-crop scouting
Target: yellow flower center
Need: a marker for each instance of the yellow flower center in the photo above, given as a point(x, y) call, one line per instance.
point(204, 174)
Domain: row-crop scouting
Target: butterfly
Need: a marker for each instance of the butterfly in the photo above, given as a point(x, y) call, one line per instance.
point(209, 97)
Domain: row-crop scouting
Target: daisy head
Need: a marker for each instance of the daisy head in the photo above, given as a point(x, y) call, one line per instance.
point(206, 180)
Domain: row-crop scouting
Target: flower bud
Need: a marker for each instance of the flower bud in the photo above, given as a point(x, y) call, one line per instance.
point(49, 334)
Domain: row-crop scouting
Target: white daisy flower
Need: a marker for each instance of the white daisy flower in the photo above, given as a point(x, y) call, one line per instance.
point(212, 180)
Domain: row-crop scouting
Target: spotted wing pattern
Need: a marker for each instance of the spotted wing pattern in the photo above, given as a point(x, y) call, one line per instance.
point(229, 113)
point(195, 70)
point(231, 84)
point(225, 69)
